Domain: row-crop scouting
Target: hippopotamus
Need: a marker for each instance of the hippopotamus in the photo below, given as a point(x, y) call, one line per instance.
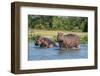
point(69, 41)
point(44, 42)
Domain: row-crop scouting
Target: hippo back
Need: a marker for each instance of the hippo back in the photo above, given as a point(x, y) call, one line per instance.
point(71, 40)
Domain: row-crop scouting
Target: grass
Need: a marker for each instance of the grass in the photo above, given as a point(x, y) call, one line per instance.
point(32, 34)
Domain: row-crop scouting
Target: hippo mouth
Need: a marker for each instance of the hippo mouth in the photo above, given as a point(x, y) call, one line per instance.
point(36, 44)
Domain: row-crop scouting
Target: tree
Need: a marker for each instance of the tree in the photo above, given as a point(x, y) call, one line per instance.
point(85, 26)
point(67, 23)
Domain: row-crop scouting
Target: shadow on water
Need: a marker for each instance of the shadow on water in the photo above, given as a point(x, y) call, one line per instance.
point(69, 51)
point(64, 50)
point(36, 47)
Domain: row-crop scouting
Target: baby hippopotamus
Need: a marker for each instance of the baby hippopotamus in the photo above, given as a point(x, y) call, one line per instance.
point(44, 42)
point(69, 41)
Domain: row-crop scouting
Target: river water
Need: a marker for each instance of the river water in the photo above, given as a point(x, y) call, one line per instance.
point(37, 53)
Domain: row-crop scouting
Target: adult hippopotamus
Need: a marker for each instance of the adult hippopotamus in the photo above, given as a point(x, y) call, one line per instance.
point(44, 42)
point(69, 41)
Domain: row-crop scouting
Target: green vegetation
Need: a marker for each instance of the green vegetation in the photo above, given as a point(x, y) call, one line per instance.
point(66, 23)
point(84, 39)
point(33, 34)
point(49, 26)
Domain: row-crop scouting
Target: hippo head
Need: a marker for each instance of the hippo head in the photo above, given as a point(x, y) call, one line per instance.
point(39, 41)
point(60, 37)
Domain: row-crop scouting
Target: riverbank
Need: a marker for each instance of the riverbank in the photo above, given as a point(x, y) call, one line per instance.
point(32, 34)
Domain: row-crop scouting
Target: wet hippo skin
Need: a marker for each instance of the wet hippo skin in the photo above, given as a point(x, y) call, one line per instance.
point(69, 41)
point(44, 42)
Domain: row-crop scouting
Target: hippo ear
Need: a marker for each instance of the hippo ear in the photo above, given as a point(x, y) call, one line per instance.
point(61, 33)
point(58, 33)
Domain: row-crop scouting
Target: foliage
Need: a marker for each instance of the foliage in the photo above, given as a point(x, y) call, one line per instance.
point(67, 23)
point(33, 37)
point(49, 26)
point(84, 39)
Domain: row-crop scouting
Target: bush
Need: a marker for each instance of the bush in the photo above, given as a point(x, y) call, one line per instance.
point(33, 37)
point(39, 26)
point(84, 40)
